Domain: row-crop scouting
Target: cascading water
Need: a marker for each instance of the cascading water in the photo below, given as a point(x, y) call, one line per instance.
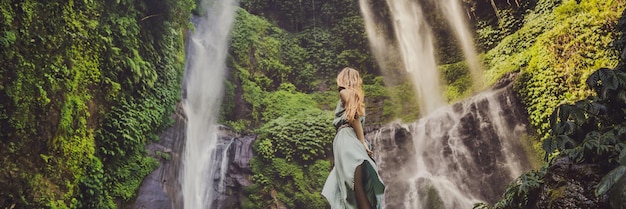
point(453, 12)
point(455, 157)
point(204, 73)
point(460, 154)
point(380, 45)
point(415, 43)
point(224, 167)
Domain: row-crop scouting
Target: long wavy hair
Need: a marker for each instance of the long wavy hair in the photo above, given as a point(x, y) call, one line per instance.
point(350, 79)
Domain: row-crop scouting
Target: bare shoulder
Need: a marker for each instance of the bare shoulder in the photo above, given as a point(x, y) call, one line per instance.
point(345, 95)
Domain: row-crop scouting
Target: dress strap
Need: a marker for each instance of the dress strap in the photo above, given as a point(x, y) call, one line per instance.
point(345, 125)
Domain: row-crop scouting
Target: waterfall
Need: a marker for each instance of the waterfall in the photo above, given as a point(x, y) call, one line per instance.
point(455, 157)
point(453, 13)
point(415, 42)
point(415, 45)
point(204, 74)
point(224, 167)
point(380, 45)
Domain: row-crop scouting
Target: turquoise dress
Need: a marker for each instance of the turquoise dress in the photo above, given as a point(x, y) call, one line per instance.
point(349, 153)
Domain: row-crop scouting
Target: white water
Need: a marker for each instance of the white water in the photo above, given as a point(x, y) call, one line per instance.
point(416, 46)
point(415, 43)
point(463, 154)
point(381, 47)
point(456, 175)
point(207, 48)
point(224, 167)
point(454, 14)
point(443, 161)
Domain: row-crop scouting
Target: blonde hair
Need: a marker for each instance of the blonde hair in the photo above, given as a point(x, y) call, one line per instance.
point(350, 79)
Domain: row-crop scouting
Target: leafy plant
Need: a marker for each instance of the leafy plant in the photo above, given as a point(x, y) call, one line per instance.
point(290, 158)
point(84, 86)
point(589, 131)
point(299, 136)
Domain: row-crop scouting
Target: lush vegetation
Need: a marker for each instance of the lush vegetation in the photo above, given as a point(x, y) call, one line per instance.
point(291, 162)
point(272, 66)
point(84, 85)
point(282, 86)
point(590, 131)
point(583, 121)
point(554, 44)
point(558, 46)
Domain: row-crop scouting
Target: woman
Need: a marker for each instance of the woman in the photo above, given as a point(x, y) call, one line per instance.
point(354, 181)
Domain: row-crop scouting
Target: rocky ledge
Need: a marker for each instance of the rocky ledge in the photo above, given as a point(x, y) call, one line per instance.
point(161, 189)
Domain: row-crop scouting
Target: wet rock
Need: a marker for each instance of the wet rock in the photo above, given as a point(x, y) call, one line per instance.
point(456, 156)
point(161, 189)
point(569, 185)
point(152, 195)
point(238, 174)
point(396, 142)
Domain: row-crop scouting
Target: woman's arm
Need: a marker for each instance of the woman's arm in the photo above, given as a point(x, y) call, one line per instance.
point(355, 122)
point(358, 129)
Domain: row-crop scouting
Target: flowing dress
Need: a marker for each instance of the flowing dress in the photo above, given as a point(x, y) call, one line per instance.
point(348, 153)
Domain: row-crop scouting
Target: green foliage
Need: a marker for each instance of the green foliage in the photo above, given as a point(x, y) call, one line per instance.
point(488, 36)
point(286, 101)
point(301, 15)
point(304, 43)
point(92, 189)
point(290, 161)
point(403, 104)
point(270, 55)
point(590, 131)
point(458, 80)
point(299, 136)
point(331, 32)
point(326, 100)
point(593, 130)
point(491, 29)
point(263, 57)
point(518, 193)
point(65, 66)
point(555, 58)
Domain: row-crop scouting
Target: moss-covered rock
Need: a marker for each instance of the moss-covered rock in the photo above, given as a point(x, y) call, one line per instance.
point(570, 185)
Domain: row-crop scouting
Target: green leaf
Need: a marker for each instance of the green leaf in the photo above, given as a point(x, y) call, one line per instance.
point(549, 145)
point(622, 96)
point(610, 82)
point(596, 108)
point(593, 80)
point(609, 180)
point(603, 80)
point(564, 140)
point(621, 130)
point(621, 78)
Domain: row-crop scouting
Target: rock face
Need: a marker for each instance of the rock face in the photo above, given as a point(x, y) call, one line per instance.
point(238, 174)
point(445, 159)
point(441, 161)
point(570, 185)
point(396, 142)
point(161, 189)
